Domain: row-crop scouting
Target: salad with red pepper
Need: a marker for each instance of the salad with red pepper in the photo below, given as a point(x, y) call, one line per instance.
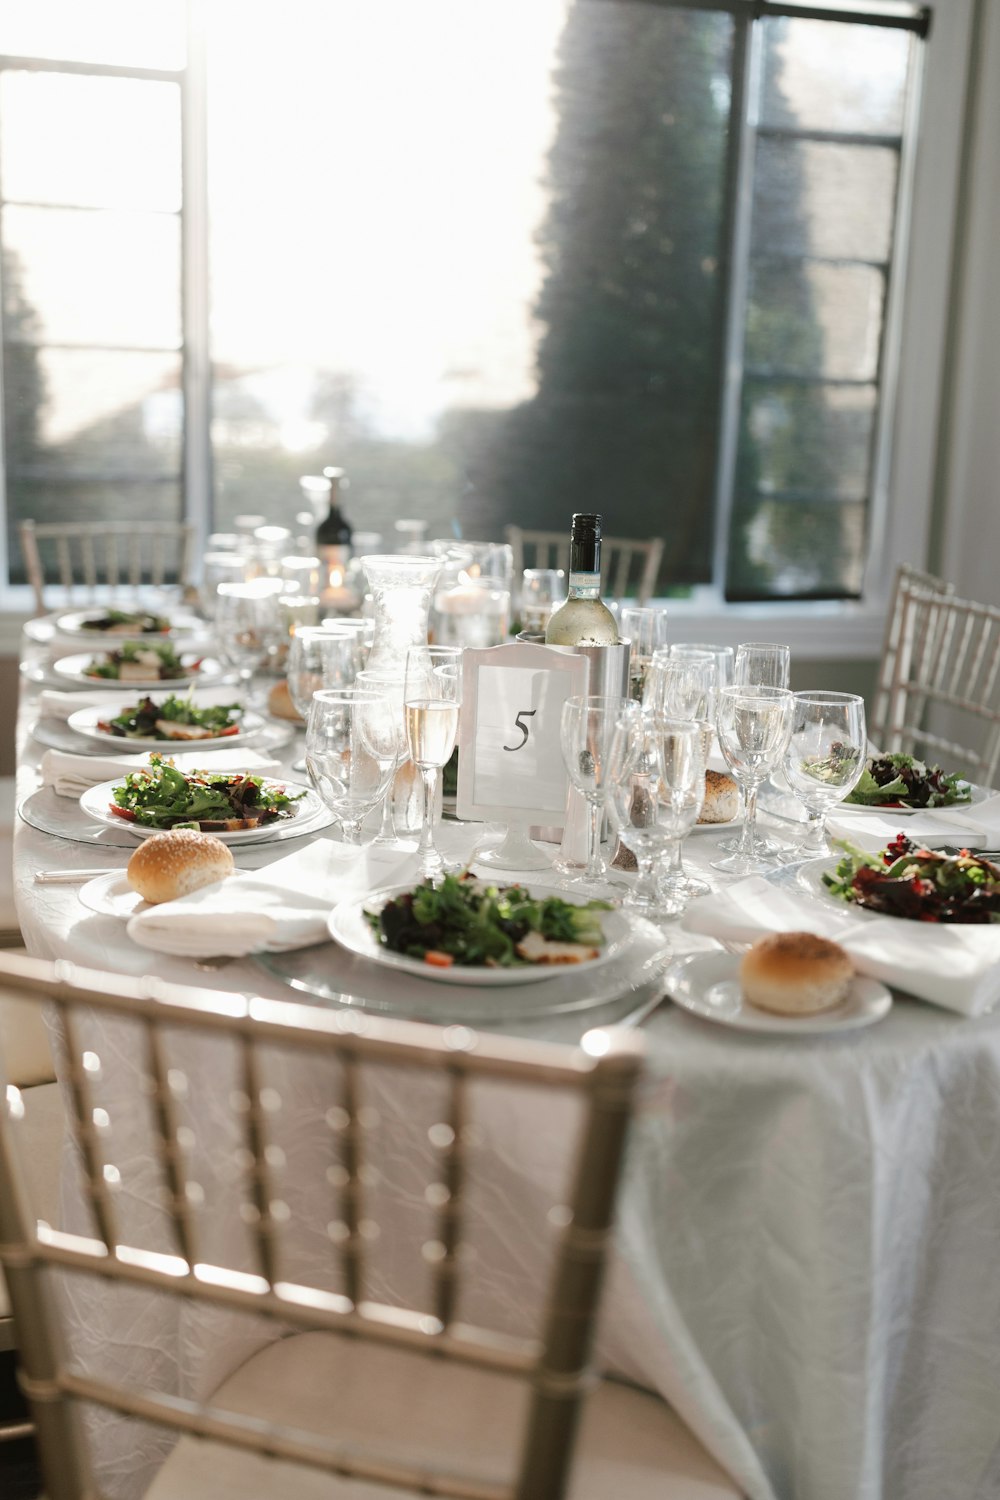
point(923, 885)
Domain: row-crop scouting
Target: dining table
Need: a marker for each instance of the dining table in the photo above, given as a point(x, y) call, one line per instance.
point(804, 1261)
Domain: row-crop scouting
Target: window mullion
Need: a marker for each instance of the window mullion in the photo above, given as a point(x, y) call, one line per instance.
point(197, 451)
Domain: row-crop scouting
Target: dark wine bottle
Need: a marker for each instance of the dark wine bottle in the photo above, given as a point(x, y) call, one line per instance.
point(333, 534)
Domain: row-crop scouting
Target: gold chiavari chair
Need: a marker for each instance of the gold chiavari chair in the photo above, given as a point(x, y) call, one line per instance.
point(121, 557)
point(908, 584)
point(629, 568)
point(367, 1399)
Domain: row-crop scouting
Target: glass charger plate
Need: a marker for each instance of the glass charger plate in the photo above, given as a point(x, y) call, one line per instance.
point(707, 985)
point(71, 671)
point(56, 735)
point(312, 815)
point(330, 973)
point(73, 625)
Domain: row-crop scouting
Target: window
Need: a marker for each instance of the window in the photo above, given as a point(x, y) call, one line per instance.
point(499, 263)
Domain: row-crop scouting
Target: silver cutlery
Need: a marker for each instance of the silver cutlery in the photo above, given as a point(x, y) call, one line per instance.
point(644, 1011)
point(73, 877)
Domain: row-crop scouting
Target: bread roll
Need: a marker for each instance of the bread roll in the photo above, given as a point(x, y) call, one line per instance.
point(172, 864)
point(722, 798)
point(795, 974)
point(279, 703)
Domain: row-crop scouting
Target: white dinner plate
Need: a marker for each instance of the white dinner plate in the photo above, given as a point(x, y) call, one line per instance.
point(75, 623)
point(708, 985)
point(72, 669)
point(110, 895)
point(887, 810)
point(350, 929)
point(85, 721)
point(310, 817)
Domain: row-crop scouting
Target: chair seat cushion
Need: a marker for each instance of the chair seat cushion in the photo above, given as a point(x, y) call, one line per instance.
point(394, 1404)
point(44, 1132)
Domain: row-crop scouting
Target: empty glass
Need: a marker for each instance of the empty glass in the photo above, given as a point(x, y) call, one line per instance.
point(761, 664)
point(393, 688)
point(646, 630)
point(432, 696)
point(753, 726)
point(722, 656)
point(351, 751)
point(541, 590)
point(248, 626)
point(825, 757)
point(599, 747)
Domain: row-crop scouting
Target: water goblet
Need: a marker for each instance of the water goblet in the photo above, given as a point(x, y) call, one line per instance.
point(761, 664)
point(646, 630)
point(432, 696)
point(723, 656)
point(351, 753)
point(248, 626)
point(598, 747)
point(753, 726)
point(825, 758)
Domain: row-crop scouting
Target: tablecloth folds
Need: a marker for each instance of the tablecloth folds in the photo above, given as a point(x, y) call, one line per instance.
point(72, 775)
point(957, 967)
point(284, 906)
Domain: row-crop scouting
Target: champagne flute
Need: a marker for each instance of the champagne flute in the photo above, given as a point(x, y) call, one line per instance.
point(761, 664)
point(825, 757)
point(393, 688)
point(351, 753)
point(432, 696)
point(681, 760)
point(646, 630)
point(753, 726)
point(248, 625)
point(598, 747)
point(685, 688)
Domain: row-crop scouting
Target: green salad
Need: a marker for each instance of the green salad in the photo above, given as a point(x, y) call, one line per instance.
point(216, 802)
point(898, 780)
point(140, 659)
point(174, 719)
point(923, 885)
point(462, 920)
point(142, 622)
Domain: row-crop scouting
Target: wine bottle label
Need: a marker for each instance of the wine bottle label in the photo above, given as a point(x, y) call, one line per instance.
point(585, 581)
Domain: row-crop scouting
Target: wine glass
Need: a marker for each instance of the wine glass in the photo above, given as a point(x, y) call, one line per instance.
point(541, 590)
point(393, 688)
point(681, 758)
point(646, 630)
point(598, 747)
point(432, 696)
point(761, 664)
point(825, 757)
point(351, 752)
point(722, 656)
point(685, 688)
point(316, 660)
point(753, 727)
point(248, 625)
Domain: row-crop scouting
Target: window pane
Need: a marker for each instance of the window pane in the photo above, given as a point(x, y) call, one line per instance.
point(814, 319)
point(798, 549)
point(820, 75)
point(87, 412)
point(99, 501)
point(96, 277)
point(486, 312)
point(130, 33)
point(101, 142)
point(821, 199)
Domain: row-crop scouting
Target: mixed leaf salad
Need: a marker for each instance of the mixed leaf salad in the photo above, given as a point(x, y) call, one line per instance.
point(174, 719)
point(924, 885)
point(898, 780)
point(140, 660)
point(134, 622)
point(462, 920)
point(216, 802)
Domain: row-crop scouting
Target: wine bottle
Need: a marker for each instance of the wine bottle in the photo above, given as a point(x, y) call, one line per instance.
point(333, 534)
point(583, 619)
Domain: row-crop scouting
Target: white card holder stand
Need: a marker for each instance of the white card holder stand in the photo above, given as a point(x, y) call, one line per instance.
point(510, 766)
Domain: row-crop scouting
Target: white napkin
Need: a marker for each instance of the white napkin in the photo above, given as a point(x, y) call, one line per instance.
point(284, 906)
point(72, 775)
point(956, 967)
point(55, 705)
point(976, 824)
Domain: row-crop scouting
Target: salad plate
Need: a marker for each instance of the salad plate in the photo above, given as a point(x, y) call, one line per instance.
point(901, 810)
point(350, 928)
point(73, 669)
point(109, 624)
point(310, 816)
point(810, 878)
point(88, 721)
point(55, 735)
point(708, 985)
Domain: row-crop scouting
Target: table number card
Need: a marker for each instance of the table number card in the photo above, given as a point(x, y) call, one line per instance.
point(510, 765)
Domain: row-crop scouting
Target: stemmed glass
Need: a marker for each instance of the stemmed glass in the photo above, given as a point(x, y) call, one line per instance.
point(753, 726)
point(825, 757)
point(646, 629)
point(248, 625)
point(432, 696)
point(685, 688)
point(658, 804)
point(722, 656)
point(316, 660)
point(541, 590)
point(681, 756)
point(761, 664)
point(599, 748)
point(351, 753)
point(393, 688)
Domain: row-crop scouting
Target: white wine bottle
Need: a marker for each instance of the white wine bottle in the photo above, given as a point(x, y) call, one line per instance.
point(583, 619)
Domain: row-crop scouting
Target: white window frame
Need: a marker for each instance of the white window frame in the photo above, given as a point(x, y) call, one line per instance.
point(911, 387)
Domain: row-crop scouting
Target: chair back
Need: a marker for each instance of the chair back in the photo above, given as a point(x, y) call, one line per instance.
point(168, 1027)
point(629, 568)
point(909, 582)
point(117, 557)
point(944, 692)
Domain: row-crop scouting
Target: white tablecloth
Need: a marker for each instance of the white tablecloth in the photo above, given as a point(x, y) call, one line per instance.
point(808, 1230)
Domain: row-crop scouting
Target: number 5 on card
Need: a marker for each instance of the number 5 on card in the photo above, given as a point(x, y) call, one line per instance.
point(510, 765)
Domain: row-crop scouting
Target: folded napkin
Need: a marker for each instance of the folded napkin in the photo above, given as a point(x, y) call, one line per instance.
point(72, 775)
point(956, 967)
point(976, 824)
point(284, 906)
point(55, 705)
